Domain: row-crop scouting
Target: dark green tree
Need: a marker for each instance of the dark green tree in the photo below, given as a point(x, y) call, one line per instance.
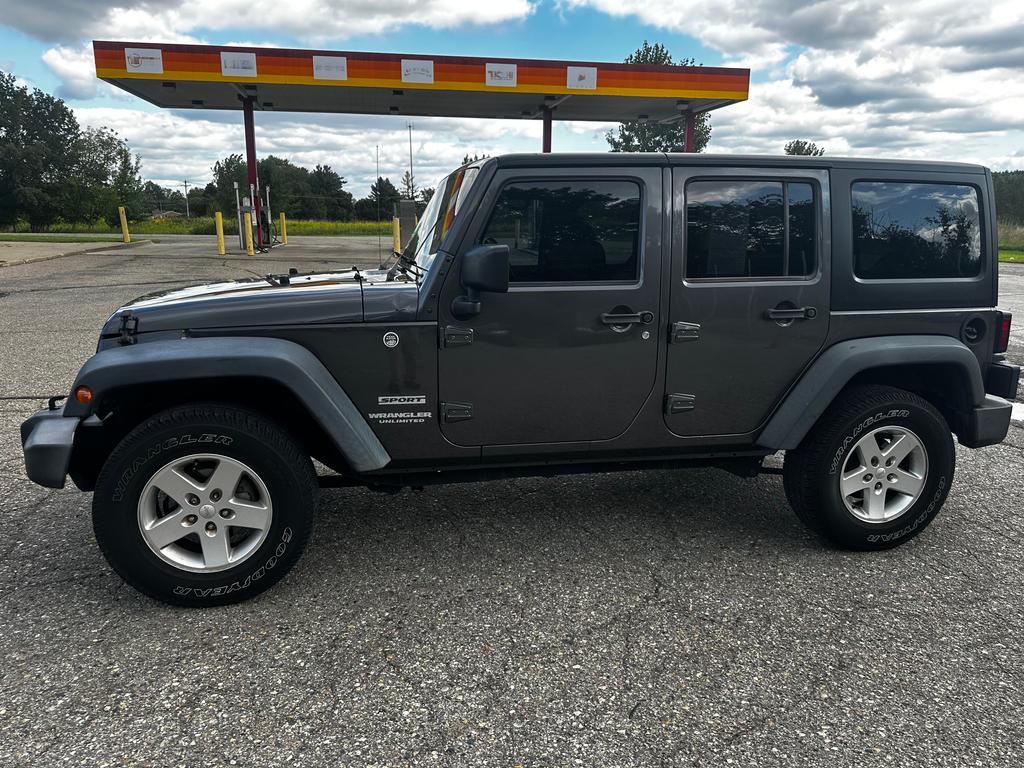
point(801, 147)
point(38, 154)
point(155, 198)
point(408, 186)
point(384, 192)
point(199, 202)
point(647, 136)
point(106, 175)
point(329, 199)
point(125, 178)
point(289, 186)
point(1009, 187)
point(225, 173)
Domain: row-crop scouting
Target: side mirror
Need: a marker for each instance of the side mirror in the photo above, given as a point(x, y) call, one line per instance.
point(484, 268)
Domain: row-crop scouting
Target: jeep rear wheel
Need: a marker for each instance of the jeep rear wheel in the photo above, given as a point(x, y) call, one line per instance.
point(204, 505)
point(874, 471)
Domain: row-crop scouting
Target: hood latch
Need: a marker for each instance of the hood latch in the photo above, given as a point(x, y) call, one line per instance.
point(129, 327)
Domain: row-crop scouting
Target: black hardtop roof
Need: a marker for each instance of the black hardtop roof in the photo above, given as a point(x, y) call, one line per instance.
point(605, 159)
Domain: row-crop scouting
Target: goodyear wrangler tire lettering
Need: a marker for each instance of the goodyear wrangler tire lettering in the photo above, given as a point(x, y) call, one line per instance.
point(174, 436)
point(849, 439)
point(235, 586)
point(822, 477)
point(157, 450)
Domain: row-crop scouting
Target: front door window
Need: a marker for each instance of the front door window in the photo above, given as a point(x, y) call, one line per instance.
point(569, 231)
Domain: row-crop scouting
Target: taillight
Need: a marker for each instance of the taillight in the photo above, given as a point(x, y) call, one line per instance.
point(1003, 336)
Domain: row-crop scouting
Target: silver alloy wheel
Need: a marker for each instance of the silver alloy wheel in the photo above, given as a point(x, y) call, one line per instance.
point(884, 474)
point(204, 513)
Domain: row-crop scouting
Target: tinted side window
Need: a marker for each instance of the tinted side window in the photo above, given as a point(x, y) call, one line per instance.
point(569, 231)
point(739, 228)
point(913, 231)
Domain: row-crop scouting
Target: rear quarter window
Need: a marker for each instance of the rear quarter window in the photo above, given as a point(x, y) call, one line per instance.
point(915, 230)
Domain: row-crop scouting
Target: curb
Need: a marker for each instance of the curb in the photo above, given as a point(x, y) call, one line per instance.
point(100, 249)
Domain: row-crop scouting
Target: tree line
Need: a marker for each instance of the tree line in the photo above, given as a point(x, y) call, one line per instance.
point(53, 171)
point(1009, 186)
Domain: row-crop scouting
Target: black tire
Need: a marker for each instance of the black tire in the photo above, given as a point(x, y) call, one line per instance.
point(242, 436)
point(810, 472)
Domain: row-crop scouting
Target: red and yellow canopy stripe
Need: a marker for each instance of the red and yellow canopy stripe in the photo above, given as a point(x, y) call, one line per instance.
point(201, 63)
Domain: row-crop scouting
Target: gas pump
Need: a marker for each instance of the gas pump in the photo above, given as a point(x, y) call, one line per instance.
point(266, 221)
point(264, 234)
point(245, 207)
point(239, 215)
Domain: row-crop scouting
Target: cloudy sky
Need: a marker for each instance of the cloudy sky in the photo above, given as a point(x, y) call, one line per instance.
point(935, 79)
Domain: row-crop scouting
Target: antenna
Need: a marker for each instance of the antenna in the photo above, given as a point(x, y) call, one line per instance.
point(380, 259)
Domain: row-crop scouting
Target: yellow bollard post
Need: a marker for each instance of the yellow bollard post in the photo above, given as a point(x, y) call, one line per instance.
point(125, 235)
point(284, 230)
point(248, 235)
point(219, 219)
point(396, 234)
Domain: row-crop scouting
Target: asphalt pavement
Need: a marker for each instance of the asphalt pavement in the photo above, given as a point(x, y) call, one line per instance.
point(668, 618)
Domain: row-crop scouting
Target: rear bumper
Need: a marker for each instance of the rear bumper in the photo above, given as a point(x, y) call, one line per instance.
point(1002, 379)
point(47, 438)
point(986, 424)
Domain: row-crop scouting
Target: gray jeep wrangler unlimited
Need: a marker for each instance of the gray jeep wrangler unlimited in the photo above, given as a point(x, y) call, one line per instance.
point(555, 314)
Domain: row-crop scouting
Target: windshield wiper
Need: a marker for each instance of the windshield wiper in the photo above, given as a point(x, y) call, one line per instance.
point(269, 278)
point(407, 264)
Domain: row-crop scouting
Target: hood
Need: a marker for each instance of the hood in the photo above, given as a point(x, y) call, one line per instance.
point(332, 297)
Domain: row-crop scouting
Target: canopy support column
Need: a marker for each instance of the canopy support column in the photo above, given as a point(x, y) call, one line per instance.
point(691, 121)
point(546, 113)
point(250, 164)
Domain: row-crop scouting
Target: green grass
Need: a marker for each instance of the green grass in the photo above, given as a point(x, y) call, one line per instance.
point(342, 228)
point(1011, 255)
point(46, 238)
point(1011, 236)
point(204, 225)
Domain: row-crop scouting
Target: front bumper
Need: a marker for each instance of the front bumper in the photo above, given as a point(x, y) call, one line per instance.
point(47, 438)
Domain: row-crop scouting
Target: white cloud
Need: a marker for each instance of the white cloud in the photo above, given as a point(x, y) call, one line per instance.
point(76, 70)
point(312, 20)
point(175, 147)
point(180, 21)
point(919, 78)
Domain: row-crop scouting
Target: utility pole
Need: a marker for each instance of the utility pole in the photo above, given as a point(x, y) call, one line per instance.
point(412, 192)
point(185, 184)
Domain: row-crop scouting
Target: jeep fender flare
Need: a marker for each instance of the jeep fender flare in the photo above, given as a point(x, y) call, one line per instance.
point(285, 362)
point(835, 367)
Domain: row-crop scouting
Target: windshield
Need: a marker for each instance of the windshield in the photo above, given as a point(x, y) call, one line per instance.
point(438, 216)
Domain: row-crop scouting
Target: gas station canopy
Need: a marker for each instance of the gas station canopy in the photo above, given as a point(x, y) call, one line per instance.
point(292, 80)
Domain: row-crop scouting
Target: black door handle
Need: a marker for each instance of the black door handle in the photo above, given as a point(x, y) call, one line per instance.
point(627, 318)
point(796, 313)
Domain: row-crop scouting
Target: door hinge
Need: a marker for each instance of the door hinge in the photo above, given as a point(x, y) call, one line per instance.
point(457, 411)
point(453, 336)
point(679, 403)
point(684, 332)
point(129, 327)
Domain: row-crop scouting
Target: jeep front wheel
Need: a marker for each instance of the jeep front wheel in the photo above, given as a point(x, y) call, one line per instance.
point(204, 505)
point(874, 471)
